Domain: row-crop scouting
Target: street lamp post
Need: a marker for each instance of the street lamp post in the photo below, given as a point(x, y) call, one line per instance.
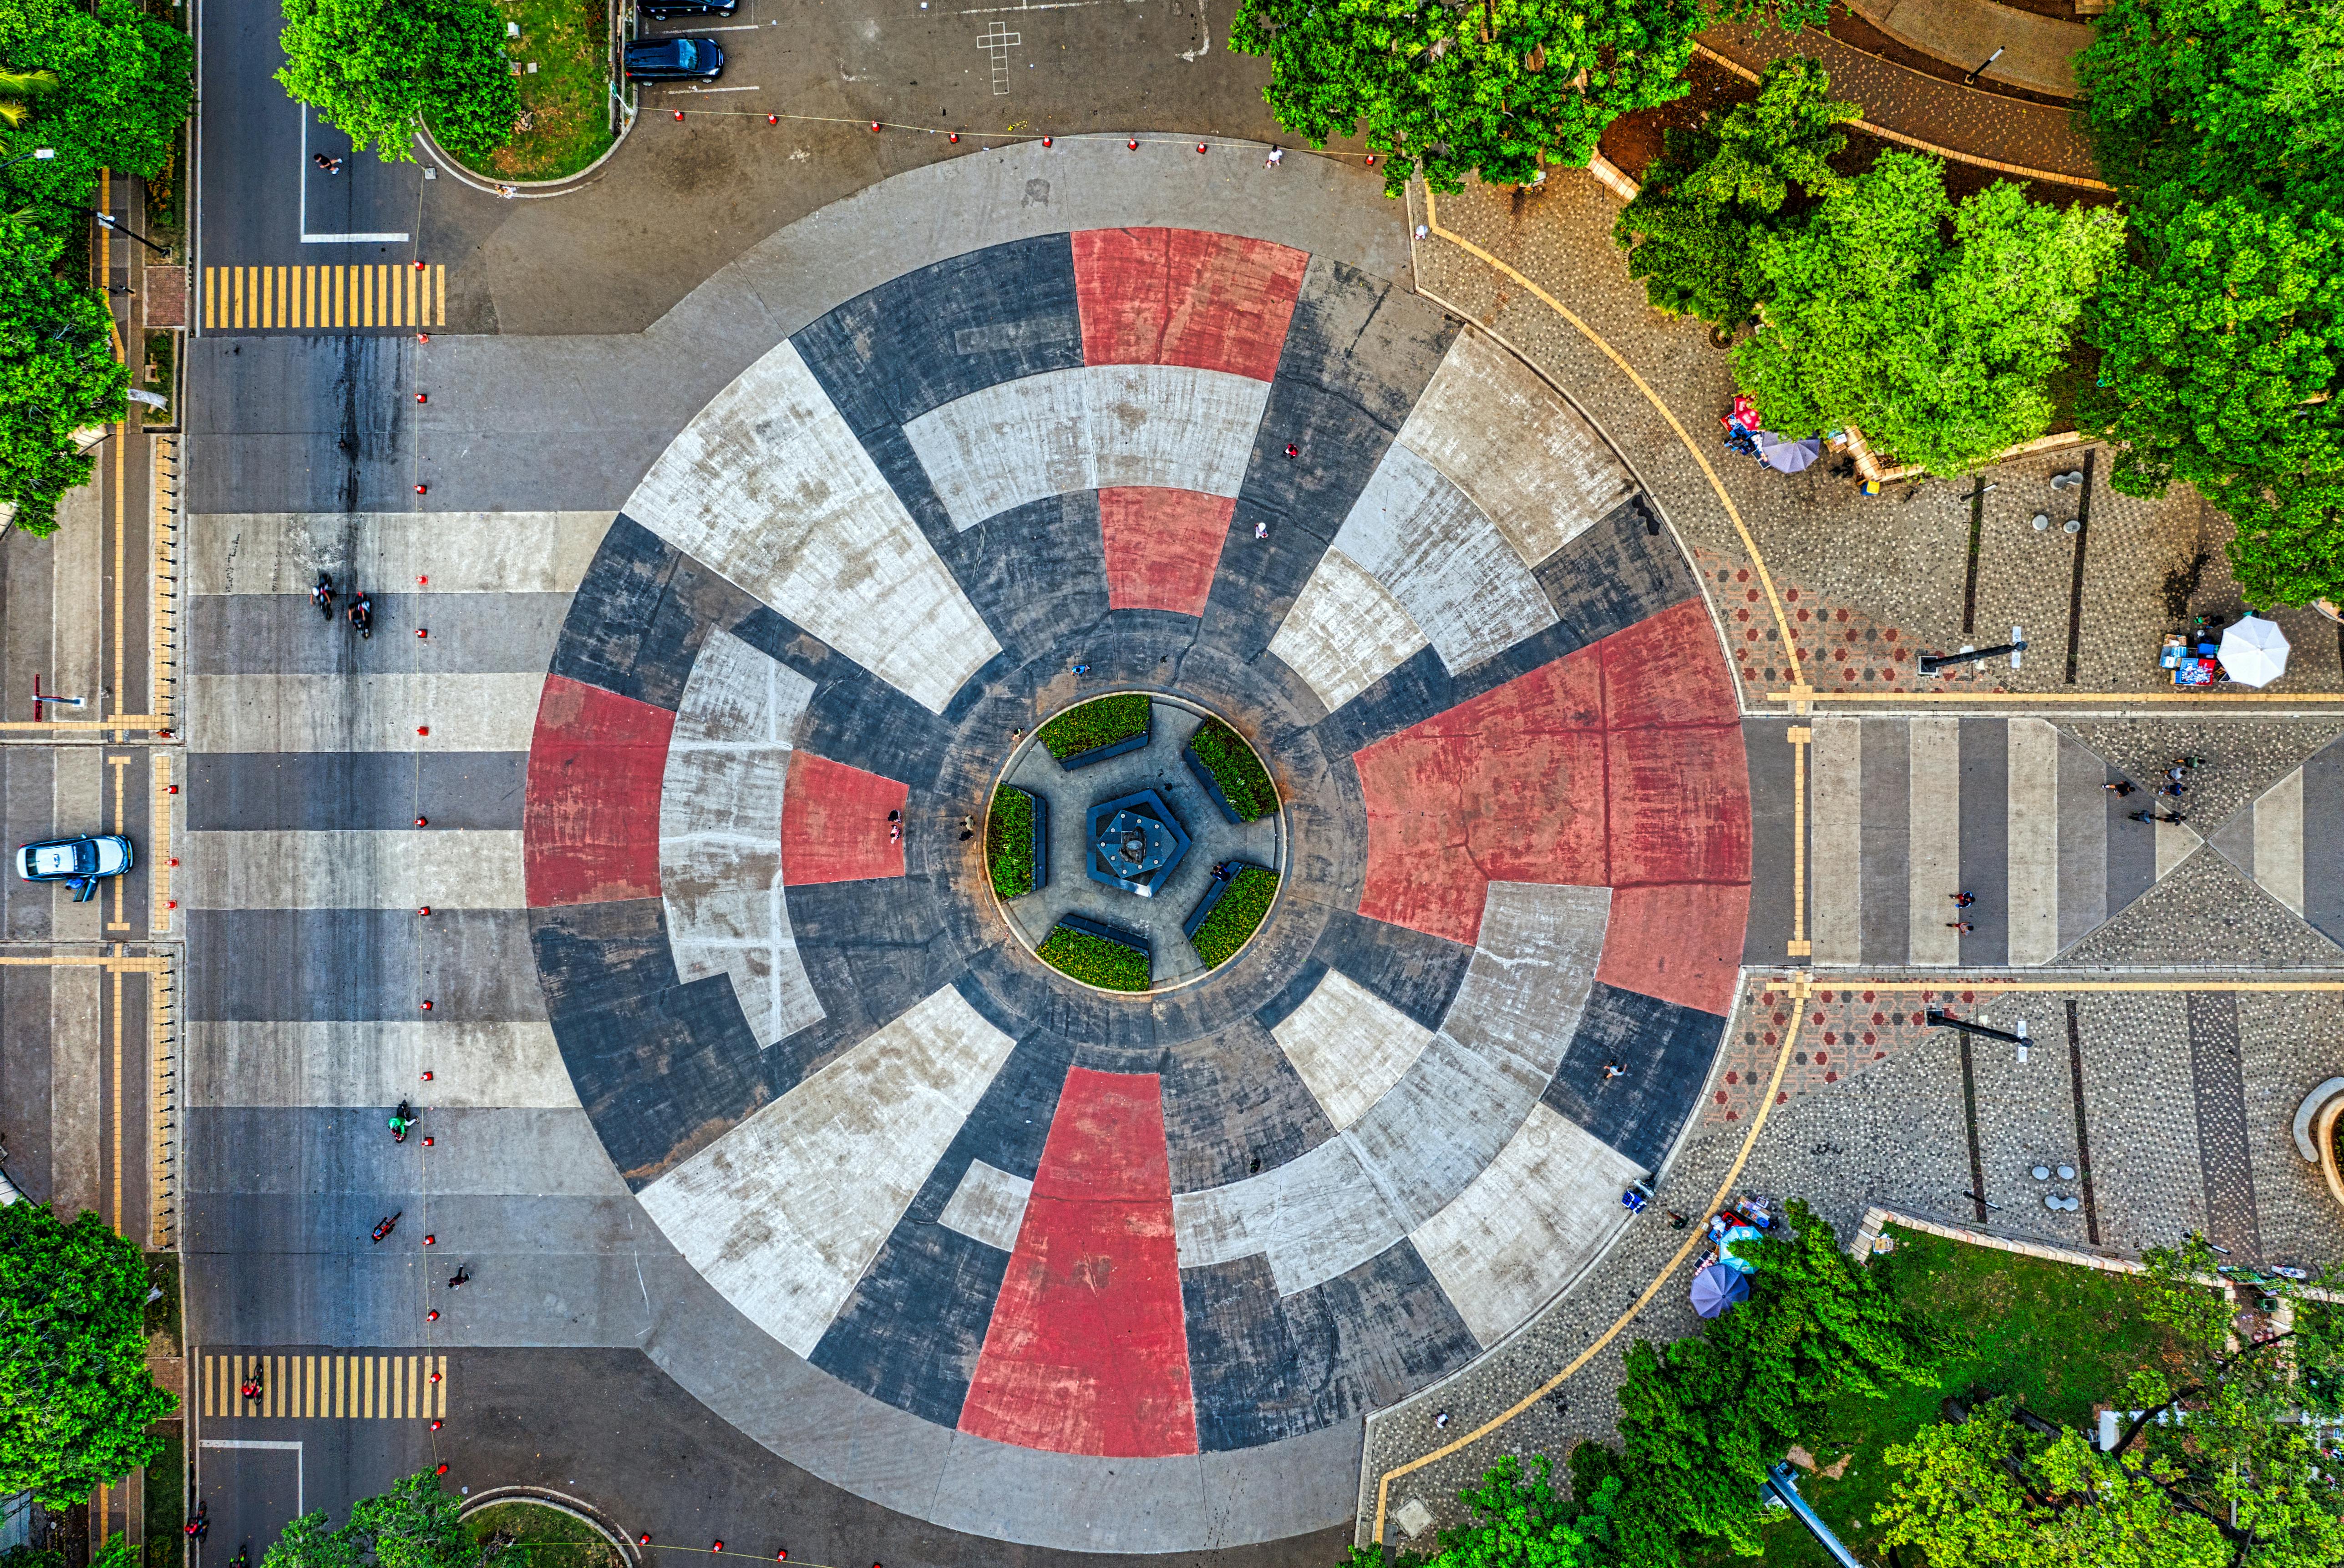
point(35, 152)
point(109, 222)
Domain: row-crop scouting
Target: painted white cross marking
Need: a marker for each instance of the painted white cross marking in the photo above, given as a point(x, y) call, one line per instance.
point(996, 40)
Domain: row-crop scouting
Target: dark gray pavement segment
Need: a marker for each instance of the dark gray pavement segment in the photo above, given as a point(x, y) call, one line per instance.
point(471, 965)
point(328, 792)
point(615, 1448)
point(283, 634)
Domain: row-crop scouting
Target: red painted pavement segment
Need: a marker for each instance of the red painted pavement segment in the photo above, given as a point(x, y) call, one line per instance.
point(1087, 1352)
point(1620, 764)
point(834, 826)
point(1163, 546)
point(589, 818)
point(1681, 943)
point(1185, 296)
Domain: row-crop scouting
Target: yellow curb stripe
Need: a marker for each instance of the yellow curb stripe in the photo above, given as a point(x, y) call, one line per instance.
point(1798, 990)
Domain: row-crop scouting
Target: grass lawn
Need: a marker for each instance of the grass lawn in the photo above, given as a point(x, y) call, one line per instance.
point(538, 1537)
point(1009, 843)
point(1102, 722)
point(2056, 1337)
point(565, 116)
point(165, 1545)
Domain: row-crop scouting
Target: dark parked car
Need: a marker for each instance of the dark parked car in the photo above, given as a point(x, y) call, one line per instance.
point(660, 10)
point(76, 863)
point(674, 60)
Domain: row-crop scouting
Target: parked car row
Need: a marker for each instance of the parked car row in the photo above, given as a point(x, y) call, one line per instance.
point(677, 58)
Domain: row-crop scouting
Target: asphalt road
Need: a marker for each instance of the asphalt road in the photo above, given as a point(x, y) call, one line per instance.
point(260, 201)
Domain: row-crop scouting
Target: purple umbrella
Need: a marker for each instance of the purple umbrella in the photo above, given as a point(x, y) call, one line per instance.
point(1787, 457)
point(1716, 1288)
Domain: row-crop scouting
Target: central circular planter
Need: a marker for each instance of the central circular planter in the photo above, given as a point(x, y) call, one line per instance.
point(1136, 842)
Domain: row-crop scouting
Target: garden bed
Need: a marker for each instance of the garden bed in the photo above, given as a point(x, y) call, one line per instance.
point(1017, 842)
point(1230, 913)
point(1097, 953)
point(1230, 772)
point(1095, 731)
point(531, 1535)
point(565, 102)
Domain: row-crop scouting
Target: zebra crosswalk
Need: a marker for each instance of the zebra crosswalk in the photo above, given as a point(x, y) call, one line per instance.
point(325, 297)
point(336, 1387)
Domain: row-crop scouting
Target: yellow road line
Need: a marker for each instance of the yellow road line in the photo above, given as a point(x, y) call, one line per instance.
point(1765, 577)
point(1798, 990)
point(121, 561)
point(162, 1074)
point(325, 296)
point(326, 1387)
point(1800, 946)
point(117, 1095)
point(121, 821)
point(158, 845)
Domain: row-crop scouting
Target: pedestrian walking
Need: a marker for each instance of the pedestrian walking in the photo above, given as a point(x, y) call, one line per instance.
point(1964, 927)
point(895, 816)
point(507, 192)
point(1612, 1070)
point(1964, 900)
point(2172, 787)
point(462, 1275)
point(2176, 818)
point(2120, 789)
point(1261, 530)
point(1276, 156)
point(1441, 1421)
point(383, 1226)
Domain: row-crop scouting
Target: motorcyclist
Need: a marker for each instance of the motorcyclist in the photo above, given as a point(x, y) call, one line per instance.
point(361, 613)
point(322, 596)
point(400, 1121)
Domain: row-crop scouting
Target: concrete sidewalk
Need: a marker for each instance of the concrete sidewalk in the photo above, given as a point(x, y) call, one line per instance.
point(2038, 53)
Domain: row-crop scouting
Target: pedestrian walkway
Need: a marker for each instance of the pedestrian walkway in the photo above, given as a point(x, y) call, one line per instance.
point(2034, 141)
point(2286, 840)
point(336, 1387)
point(1908, 811)
point(323, 298)
point(2036, 52)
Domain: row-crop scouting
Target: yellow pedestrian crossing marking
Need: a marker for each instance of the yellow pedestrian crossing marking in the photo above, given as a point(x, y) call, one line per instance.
point(337, 1388)
point(324, 297)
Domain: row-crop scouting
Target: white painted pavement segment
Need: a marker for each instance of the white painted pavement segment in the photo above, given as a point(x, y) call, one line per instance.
point(2278, 841)
point(720, 833)
point(1934, 839)
point(373, 1064)
point(768, 486)
point(783, 1213)
point(285, 870)
point(362, 712)
point(402, 552)
point(2083, 840)
point(1170, 427)
point(2032, 841)
point(1314, 1219)
point(1444, 560)
point(1350, 1045)
point(1836, 808)
point(2175, 842)
point(1345, 632)
point(988, 1206)
point(1546, 1207)
point(1526, 457)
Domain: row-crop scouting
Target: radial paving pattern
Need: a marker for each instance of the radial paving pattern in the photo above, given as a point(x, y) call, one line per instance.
point(1342, 1165)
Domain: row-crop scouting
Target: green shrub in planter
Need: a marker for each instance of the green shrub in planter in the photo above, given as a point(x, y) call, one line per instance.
point(1095, 960)
point(1009, 843)
point(1102, 722)
point(1237, 917)
point(1236, 769)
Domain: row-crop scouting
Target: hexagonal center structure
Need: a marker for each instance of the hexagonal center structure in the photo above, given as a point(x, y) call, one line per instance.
point(1136, 842)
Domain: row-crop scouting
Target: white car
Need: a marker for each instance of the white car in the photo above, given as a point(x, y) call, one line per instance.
point(78, 862)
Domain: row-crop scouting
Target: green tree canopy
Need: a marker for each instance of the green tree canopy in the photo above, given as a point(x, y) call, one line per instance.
point(1517, 1520)
point(1940, 349)
point(1500, 88)
point(119, 85)
point(2222, 125)
point(58, 375)
point(76, 1398)
point(1715, 190)
point(412, 1525)
point(373, 68)
point(1701, 1420)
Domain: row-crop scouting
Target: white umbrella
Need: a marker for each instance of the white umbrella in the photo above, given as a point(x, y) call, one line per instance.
point(2254, 651)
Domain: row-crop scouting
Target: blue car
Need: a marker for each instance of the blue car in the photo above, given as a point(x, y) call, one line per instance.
point(674, 60)
point(76, 863)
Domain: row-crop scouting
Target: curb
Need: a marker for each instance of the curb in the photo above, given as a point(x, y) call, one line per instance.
point(586, 1514)
point(533, 190)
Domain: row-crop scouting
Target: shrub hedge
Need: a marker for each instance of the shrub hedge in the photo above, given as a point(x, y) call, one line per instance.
point(1009, 843)
point(1236, 769)
point(1101, 721)
point(1095, 960)
point(1237, 917)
